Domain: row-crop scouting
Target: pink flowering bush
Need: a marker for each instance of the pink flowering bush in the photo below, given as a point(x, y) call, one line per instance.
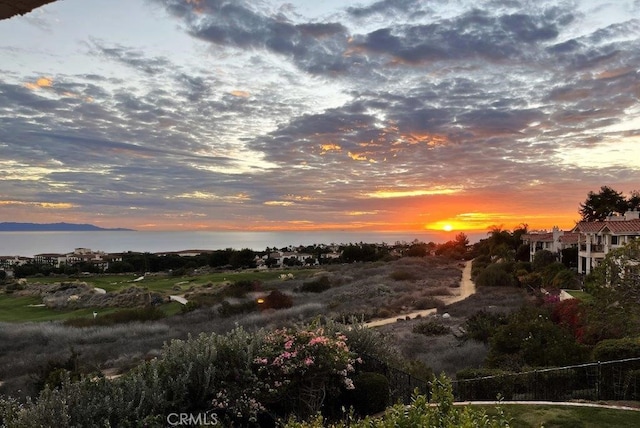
point(299, 367)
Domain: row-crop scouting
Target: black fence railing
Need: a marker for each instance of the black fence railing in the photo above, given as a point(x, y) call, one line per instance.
point(402, 385)
point(609, 380)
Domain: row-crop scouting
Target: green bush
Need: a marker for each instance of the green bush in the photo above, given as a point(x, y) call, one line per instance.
point(542, 259)
point(495, 276)
point(420, 413)
point(482, 325)
point(617, 349)
point(485, 384)
point(371, 393)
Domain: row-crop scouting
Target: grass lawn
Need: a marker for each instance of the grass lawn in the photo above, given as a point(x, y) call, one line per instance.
point(581, 295)
point(549, 416)
point(166, 284)
point(17, 309)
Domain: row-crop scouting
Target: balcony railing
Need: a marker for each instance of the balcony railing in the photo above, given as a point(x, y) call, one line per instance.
point(595, 248)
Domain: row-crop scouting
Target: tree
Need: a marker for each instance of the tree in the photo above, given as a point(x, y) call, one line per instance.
point(598, 206)
point(634, 200)
point(542, 259)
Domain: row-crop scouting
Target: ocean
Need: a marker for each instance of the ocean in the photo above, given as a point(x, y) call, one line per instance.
point(28, 244)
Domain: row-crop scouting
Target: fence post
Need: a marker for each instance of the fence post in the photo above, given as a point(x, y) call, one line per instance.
point(536, 394)
point(598, 378)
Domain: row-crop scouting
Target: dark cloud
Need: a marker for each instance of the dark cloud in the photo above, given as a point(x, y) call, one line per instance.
point(474, 34)
point(130, 57)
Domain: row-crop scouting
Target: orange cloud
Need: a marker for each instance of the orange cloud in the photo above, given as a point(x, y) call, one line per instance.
point(357, 156)
point(431, 140)
point(385, 194)
point(241, 94)
point(331, 147)
point(43, 82)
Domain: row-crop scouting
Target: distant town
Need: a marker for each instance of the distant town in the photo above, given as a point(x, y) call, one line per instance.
point(581, 248)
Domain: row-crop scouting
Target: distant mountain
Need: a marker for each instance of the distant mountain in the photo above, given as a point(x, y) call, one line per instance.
point(53, 227)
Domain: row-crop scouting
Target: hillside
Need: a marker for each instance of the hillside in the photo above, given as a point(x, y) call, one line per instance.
point(52, 227)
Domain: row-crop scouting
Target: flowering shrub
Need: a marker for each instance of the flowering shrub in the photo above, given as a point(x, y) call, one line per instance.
point(301, 366)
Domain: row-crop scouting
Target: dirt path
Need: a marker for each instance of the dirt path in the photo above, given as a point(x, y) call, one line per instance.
point(467, 288)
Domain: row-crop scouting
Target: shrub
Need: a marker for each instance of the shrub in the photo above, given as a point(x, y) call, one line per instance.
point(240, 288)
point(119, 317)
point(430, 328)
point(482, 325)
point(403, 275)
point(421, 413)
point(617, 349)
point(542, 259)
point(485, 384)
point(370, 395)
point(494, 276)
point(530, 338)
point(370, 345)
point(566, 279)
point(419, 370)
point(227, 309)
point(299, 367)
point(570, 313)
point(427, 303)
point(277, 300)
point(317, 286)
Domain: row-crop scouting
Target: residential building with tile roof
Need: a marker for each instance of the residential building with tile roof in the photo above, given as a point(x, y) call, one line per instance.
point(597, 238)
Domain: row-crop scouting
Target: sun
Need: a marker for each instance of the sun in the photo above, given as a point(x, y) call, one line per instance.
point(447, 228)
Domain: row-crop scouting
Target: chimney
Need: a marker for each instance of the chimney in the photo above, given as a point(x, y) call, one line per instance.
point(632, 215)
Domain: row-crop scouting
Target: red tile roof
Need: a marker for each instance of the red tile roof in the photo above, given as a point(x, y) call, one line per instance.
point(570, 238)
point(538, 236)
point(623, 227)
point(588, 226)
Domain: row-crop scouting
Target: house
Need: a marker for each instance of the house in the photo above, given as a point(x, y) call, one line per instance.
point(8, 262)
point(554, 241)
point(51, 259)
point(597, 238)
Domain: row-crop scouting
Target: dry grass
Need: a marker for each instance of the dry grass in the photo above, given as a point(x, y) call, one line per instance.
point(451, 352)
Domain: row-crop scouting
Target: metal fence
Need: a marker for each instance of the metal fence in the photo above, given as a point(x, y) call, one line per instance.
point(609, 380)
point(402, 385)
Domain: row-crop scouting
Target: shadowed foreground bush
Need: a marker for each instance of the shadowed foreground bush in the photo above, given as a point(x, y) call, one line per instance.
point(239, 378)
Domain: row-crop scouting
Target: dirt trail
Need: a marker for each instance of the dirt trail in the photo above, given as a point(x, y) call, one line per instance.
point(467, 288)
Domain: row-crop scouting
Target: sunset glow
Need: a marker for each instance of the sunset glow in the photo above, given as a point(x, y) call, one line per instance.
point(431, 117)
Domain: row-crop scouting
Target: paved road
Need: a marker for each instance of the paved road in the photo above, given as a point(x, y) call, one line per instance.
point(467, 288)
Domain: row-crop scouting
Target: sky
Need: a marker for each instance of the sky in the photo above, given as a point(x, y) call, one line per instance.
point(380, 115)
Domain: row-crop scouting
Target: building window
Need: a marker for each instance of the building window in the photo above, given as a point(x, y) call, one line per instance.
point(614, 240)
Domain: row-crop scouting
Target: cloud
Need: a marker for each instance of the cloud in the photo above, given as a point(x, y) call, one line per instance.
point(43, 82)
point(396, 111)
